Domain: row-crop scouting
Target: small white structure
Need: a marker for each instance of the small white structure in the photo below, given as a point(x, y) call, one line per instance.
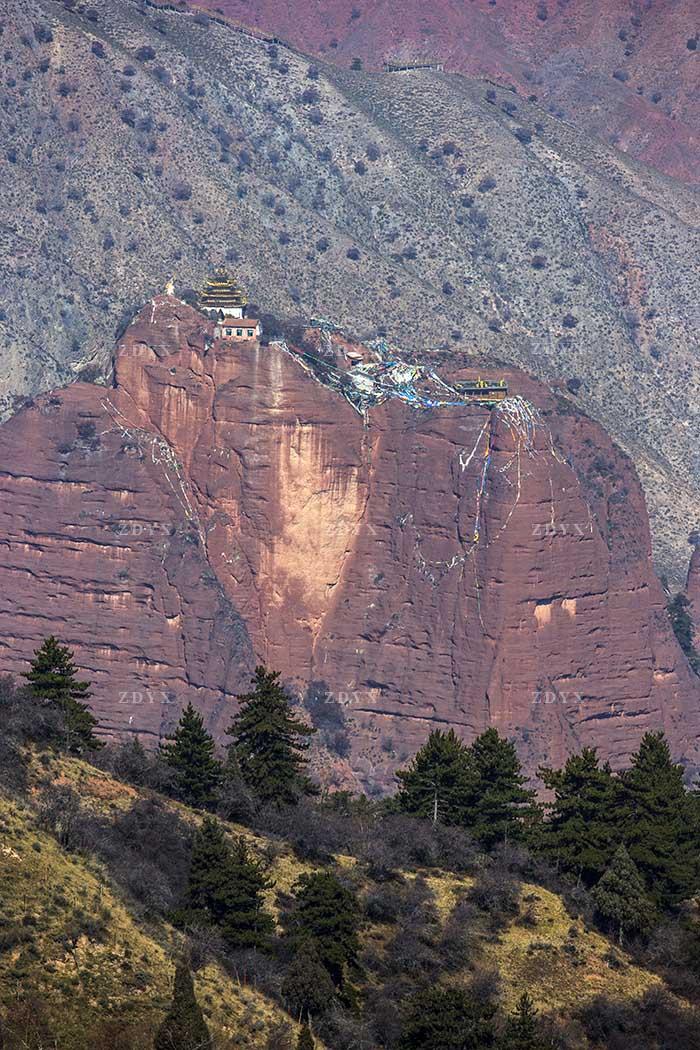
point(238, 327)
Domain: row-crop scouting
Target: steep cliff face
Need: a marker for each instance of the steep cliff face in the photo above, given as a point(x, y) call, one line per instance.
point(437, 566)
point(692, 592)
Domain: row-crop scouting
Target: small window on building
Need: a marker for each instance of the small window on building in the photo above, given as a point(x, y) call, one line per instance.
point(229, 331)
point(239, 331)
point(250, 333)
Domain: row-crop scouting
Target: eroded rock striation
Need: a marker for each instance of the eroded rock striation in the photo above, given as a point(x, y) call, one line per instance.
point(431, 566)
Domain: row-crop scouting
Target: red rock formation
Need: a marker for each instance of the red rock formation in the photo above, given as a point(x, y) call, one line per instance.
point(692, 592)
point(452, 566)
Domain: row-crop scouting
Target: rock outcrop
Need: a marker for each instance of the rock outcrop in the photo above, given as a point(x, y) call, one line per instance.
point(432, 567)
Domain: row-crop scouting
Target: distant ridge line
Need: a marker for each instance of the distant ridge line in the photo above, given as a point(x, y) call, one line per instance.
point(223, 20)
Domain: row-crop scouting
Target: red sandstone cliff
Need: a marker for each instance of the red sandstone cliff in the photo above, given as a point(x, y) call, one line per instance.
point(451, 566)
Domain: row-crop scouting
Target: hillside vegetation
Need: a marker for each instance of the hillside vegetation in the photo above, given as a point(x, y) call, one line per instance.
point(441, 211)
point(290, 920)
point(99, 961)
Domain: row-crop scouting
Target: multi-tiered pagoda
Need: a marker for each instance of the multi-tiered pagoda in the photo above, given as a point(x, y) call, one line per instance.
point(224, 301)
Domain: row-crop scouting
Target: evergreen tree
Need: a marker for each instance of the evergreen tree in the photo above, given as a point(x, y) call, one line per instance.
point(306, 1040)
point(325, 921)
point(447, 1019)
point(582, 831)
point(191, 755)
point(620, 898)
point(269, 742)
point(246, 923)
point(307, 988)
point(439, 782)
point(52, 679)
point(226, 888)
point(522, 1029)
point(658, 822)
point(184, 1027)
point(500, 802)
point(209, 864)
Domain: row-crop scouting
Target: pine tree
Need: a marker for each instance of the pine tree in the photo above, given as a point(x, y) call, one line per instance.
point(246, 923)
point(439, 782)
point(522, 1029)
point(582, 831)
point(269, 742)
point(307, 988)
point(658, 824)
point(184, 1027)
point(620, 898)
point(326, 920)
point(52, 679)
point(447, 1019)
point(306, 1040)
point(226, 888)
point(208, 873)
point(191, 755)
point(500, 802)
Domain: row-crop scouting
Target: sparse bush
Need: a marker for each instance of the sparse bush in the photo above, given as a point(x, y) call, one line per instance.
point(486, 184)
point(43, 34)
point(98, 49)
point(353, 253)
point(497, 892)
point(182, 190)
point(145, 54)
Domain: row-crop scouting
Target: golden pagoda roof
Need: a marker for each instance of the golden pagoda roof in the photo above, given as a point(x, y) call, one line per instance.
point(221, 290)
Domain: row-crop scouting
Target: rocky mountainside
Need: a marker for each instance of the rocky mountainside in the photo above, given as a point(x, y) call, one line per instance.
point(447, 213)
point(623, 70)
point(414, 560)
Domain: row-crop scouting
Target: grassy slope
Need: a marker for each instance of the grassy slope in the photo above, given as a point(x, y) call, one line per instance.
point(126, 973)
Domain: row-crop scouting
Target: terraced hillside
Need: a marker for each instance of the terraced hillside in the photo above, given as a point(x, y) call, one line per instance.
point(140, 143)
